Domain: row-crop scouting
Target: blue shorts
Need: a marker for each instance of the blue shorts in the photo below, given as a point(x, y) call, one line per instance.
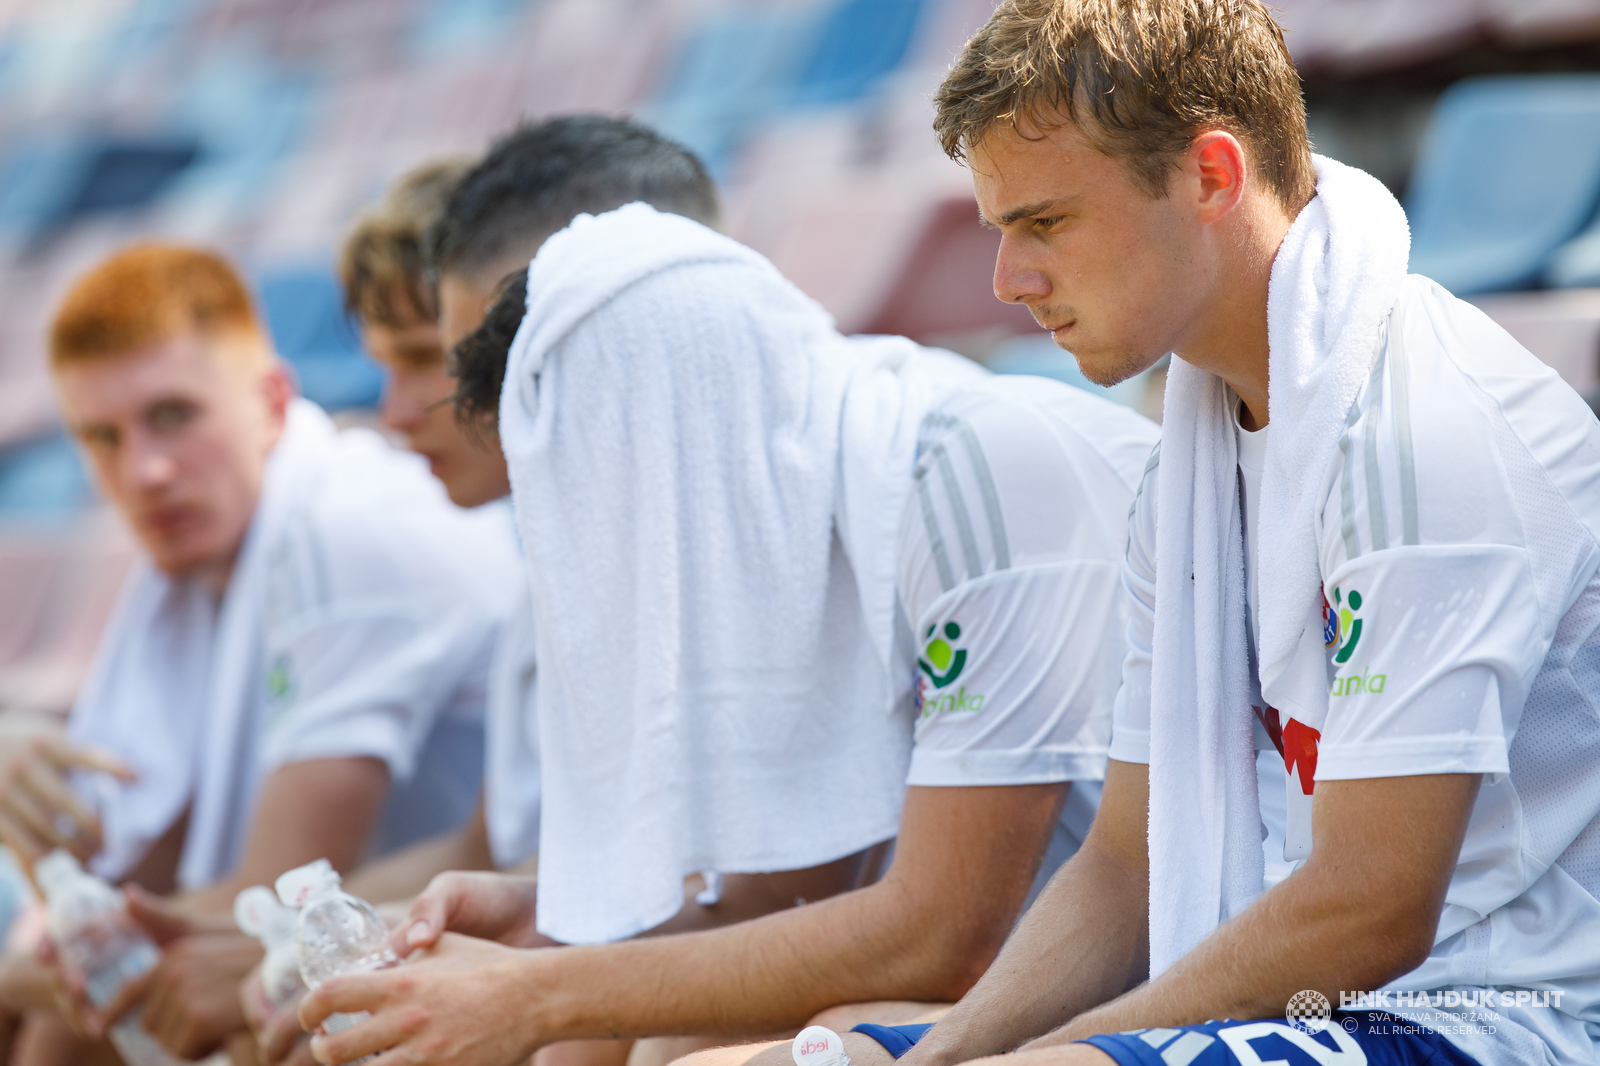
point(1376, 1037)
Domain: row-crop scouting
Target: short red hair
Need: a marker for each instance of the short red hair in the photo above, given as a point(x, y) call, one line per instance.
point(146, 294)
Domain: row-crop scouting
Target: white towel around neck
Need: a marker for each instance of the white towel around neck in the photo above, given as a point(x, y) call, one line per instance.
point(1335, 278)
point(698, 461)
point(178, 679)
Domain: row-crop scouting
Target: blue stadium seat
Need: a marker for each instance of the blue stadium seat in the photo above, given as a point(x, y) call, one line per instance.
point(1576, 263)
point(732, 71)
point(43, 479)
point(305, 312)
point(1509, 169)
point(248, 116)
point(862, 40)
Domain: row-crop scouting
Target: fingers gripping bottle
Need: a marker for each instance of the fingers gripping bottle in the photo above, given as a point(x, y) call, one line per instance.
point(100, 944)
point(258, 913)
point(335, 934)
point(817, 1045)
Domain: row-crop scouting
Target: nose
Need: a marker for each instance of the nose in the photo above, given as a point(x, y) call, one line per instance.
point(1016, 280)
point(150, 466)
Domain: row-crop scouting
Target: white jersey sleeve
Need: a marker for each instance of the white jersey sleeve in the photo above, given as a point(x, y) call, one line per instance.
point(1435, 624)
point(1008, 566)
point(379, 628)
point(511, 793)
point(1130, 729)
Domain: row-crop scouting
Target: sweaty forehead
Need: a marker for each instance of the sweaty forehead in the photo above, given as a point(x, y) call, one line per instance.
point(1018, 174)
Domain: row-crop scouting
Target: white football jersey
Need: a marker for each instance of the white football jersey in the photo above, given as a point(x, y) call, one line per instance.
point(1009, 561)
point(1459, 545)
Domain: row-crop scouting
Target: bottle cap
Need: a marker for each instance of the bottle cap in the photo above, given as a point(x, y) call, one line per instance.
point(56, 870)
point(817, 1045)
point(257, 911)
point(297, 886)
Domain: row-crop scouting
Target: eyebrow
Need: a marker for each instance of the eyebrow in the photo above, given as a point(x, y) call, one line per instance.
point(1039, 208)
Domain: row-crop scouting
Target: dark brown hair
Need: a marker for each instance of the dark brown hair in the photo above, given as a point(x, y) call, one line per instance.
point(1141, 79)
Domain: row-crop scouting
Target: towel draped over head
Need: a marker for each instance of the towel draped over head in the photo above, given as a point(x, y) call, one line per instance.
point(1337, 274)
point(708, 480)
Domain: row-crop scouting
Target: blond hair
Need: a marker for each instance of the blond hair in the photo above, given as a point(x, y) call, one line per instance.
point(1141, 79)
point(146, 294)
point(381, 262)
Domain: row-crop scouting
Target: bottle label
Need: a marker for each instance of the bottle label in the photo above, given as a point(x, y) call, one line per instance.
point(103, 985)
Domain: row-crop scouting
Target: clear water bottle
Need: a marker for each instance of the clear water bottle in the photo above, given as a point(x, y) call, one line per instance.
point(259, 914)
point(817, 1045)
point(101, 945)
point(336, 933)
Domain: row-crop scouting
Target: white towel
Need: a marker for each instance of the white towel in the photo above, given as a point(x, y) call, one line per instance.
point(177, 677)
point(708, 480)
point(1335, 278)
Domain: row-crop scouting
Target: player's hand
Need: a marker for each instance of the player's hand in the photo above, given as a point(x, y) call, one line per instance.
point(489, 906)
point(25, 983)
point(69, 996)
point(465, 1002)
point(191, 997)
point(279, 1039)
point(39, 812)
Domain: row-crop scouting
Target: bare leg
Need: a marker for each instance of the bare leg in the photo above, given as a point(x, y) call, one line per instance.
point(846, 1016)
point(584, 1053)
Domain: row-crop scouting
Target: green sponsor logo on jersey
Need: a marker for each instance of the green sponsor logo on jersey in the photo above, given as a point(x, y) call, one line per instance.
point(279, 683)
point(1349, 634)
point(940, 661)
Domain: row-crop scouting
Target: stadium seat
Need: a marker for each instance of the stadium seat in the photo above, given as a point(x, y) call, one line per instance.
point(1577, 262)
point(96, 555)
point(732, 71)
point(305, 312)
point(1509, 170)
point(860, 42)
point(29, 565)
point(42, 480)
point(945, 284)
point(1562, 328)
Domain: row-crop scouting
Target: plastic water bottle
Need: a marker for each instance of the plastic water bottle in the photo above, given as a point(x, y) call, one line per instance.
point(100, 944)
point(817, 1045)
point(258, 913)
point(336, 933)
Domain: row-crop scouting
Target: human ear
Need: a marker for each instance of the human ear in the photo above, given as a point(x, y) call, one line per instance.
point(277, 388)
point(1218, 164)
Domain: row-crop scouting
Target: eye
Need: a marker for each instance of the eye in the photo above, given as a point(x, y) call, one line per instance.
point(99, 438)
point(169, 415)
point(1048, 222)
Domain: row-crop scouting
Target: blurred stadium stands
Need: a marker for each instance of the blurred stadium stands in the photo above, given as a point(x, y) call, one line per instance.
point(260, 126)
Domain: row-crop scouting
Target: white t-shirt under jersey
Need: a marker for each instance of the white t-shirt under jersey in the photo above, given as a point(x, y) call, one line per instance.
point(1459, 542)
point(1009, 558)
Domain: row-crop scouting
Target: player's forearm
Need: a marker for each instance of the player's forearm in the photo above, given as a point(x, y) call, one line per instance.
point(1309, 932)
point(1354, 916)
point(758, 976)
point(1082, 943)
